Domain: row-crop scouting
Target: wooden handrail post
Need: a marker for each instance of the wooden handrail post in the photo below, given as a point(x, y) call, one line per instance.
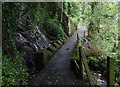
point(78, 38)
point(111, 72)
point(88, 73)
point(84, 34)
point(80, 59)
point(81, 64)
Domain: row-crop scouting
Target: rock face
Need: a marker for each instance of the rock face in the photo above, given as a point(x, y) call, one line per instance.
point(28, 43)
point(29, 38)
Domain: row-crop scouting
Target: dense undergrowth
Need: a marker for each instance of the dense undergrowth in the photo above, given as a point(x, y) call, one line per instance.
point(103, 31)
point(14, 72)
point(25, 16)
point(54, 29)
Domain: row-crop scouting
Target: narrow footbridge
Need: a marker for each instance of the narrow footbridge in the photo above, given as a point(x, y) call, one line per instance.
point(61, 68)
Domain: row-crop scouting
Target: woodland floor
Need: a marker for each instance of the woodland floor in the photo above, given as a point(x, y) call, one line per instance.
point(58, 71)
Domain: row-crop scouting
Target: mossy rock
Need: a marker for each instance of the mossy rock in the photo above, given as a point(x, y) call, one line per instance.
point(59, 42)
point(51, 49)
point(56, 45)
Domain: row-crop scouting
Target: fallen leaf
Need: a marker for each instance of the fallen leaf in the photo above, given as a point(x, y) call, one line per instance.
point(49, 83)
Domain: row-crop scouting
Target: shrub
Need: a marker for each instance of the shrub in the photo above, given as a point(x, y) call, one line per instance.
point(14, 72)
point(54, 29)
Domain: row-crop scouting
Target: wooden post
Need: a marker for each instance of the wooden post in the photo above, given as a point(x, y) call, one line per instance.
point(78, 37)
point(84, 34)
point(39, 60)
point(81, 64)
point(90, 79)
point(62, 12)
point(111, 72)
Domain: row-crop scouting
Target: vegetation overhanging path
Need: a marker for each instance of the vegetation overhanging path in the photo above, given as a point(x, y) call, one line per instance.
point(58, 70)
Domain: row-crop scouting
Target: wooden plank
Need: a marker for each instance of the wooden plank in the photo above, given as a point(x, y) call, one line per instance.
point(111, 72)
point(87, 69)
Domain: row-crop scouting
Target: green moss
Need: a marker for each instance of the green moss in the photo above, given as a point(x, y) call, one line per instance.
point(38, 51)
point(75, 57)
point(51, 48)
point(59, 42)
point(47, 53)
point(56, 45)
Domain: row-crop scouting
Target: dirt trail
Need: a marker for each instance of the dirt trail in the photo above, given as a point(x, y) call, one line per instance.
point(58, 70)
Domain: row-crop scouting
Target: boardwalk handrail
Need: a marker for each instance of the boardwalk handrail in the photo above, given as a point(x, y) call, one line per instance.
point(83, 63)
point(111, 72)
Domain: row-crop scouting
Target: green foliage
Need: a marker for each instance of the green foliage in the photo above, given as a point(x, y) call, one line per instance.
point(103, 31)
point(78, 12)
point(54, 29)
point(39, 12)
point(98, 63)
point(24, 16)
point(9, 28)
point(14, 72)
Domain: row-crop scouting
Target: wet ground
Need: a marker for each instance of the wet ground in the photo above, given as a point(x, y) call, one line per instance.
point(58, 71)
